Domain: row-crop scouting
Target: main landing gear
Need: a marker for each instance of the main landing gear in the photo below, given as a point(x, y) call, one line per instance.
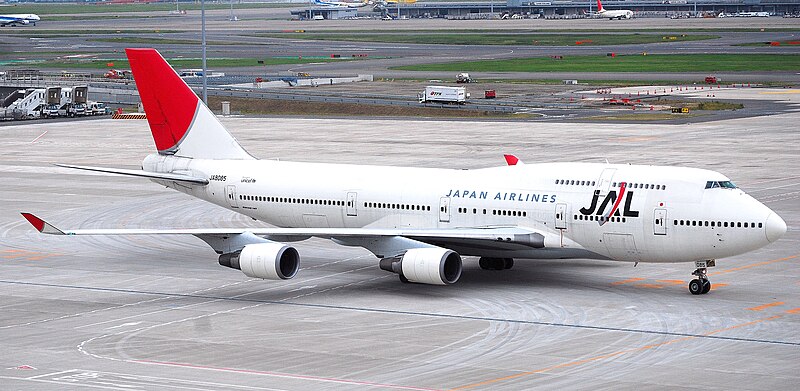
point(496, 263)
point(701, 285)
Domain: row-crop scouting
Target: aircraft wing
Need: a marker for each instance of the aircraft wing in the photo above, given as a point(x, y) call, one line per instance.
point(384, 242)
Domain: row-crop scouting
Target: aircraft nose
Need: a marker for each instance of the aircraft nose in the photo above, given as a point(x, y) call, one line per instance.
point(775, 227)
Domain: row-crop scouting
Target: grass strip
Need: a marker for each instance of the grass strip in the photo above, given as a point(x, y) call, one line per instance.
point(176, 62)
point(654, 63)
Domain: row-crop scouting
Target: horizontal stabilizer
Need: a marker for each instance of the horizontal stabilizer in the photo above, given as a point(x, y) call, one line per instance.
point(142, 174)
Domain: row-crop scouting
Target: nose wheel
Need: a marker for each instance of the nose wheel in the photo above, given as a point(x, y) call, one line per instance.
point(700, 285)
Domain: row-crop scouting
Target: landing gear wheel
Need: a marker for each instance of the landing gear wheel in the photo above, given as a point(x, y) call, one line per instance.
point(508, 263)
point(494, 263)
point(404, 280)
point(485, 263)
point(696, 286)
point(700, 285)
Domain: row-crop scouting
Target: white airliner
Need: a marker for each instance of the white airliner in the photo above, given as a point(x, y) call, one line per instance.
point(19, 20)
point(345, 4)
point(615, 14)
point(421, 221)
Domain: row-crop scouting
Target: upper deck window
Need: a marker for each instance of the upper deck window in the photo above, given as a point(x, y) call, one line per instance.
point(720, 184)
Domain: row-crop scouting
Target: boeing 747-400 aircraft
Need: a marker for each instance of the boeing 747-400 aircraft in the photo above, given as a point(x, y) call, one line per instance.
point(420, 221)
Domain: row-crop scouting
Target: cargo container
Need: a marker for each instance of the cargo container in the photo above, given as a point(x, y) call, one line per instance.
point(441, 94)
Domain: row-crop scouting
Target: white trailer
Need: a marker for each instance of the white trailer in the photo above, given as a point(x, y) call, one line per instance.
point(442, 94)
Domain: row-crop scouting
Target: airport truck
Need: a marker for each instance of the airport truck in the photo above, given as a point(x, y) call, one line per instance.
point(97, 108)
point(54, 102)
point(441, 94)
point(80, 96)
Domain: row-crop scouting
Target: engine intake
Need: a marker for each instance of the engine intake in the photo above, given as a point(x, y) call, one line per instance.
point(436, 266)
point(271, 261)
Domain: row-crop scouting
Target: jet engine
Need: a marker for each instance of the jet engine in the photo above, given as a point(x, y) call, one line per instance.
point(271, 261)
point(435, 265)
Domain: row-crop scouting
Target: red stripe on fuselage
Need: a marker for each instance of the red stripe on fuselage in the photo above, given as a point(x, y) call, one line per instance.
point(168, 102)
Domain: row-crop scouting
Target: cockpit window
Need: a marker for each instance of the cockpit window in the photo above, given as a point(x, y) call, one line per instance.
point(720, 184)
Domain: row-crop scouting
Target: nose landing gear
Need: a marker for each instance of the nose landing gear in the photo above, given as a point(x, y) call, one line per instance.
point(701, 285)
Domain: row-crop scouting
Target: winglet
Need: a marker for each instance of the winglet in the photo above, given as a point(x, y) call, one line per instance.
point(512, 160)
point(41, 225)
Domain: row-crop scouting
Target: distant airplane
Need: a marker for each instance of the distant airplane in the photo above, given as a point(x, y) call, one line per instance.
point(345, 4)
point(419, 222)
point(19, 20)
point(615, 14)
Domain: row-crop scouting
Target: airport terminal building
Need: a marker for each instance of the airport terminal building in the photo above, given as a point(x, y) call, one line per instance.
point(557, 9)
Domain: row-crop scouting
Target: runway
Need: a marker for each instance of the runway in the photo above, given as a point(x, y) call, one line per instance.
point(159, 313)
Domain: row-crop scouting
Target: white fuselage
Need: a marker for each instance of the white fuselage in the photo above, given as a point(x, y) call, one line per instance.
point(19, 19)
point(615, 14)
point(665, 215)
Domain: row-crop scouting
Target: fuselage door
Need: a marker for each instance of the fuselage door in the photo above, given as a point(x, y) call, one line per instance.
point(444, 210)
point(660, 222)
point(352, 199)
point(604, 184)
point(230, 194)
point(561, 216)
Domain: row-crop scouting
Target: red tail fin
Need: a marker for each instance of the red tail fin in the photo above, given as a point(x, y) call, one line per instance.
point(599, 6)
point(181, 123)
point(169, 114)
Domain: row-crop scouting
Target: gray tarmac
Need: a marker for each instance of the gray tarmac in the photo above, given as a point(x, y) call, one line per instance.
point(159, 313)
point(241, 39)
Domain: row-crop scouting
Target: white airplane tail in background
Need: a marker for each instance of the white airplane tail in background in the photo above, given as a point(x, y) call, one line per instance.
point(181, 124)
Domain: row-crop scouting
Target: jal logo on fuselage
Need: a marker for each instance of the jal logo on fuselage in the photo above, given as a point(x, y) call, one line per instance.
point(611, 199)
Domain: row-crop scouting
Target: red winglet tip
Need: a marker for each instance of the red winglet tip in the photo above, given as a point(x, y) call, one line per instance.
point(511, 160)
point(35, 221)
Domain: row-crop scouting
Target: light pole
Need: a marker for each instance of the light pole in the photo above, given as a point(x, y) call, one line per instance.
point(203, 44)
